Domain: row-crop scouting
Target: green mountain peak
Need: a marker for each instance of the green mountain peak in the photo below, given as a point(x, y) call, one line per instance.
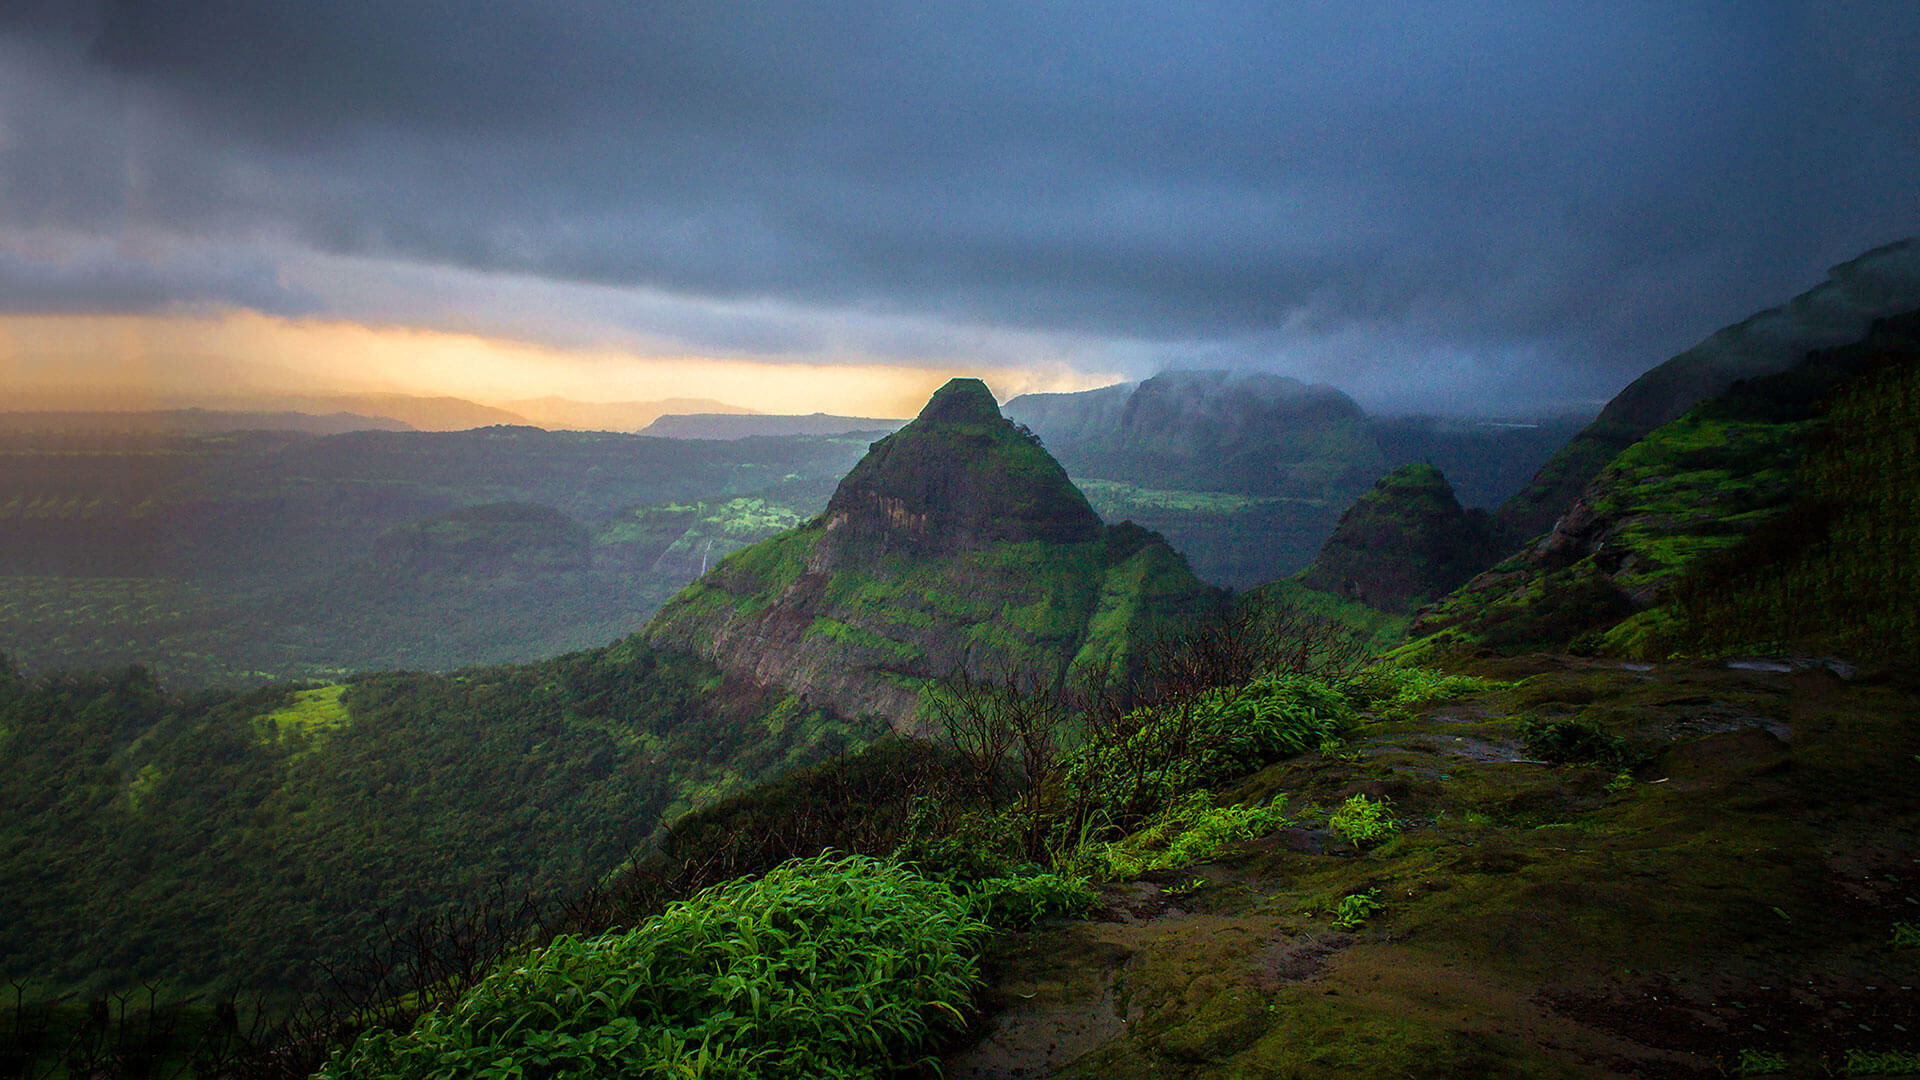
point(961, 401)
point(1406, 540)
point(958, 478)
point(956, 543)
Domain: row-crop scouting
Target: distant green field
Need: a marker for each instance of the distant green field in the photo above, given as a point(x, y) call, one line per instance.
point(1114, 498)
point(308, 712)
point(1227, 538)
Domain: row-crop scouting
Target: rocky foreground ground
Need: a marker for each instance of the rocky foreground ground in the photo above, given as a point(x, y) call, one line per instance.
point(1732, 888)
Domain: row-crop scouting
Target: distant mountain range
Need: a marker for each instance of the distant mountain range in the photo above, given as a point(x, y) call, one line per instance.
point(565, 414)
point(193, 422)
point(734, 425)
point(276, 411)
point(1247, 473)
point(330, 414)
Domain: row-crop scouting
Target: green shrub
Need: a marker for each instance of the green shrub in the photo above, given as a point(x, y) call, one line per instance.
point(1759, 1063)
point(1906, 935)
point(1011, 903)
point(1881, 1063)
point(1396, 691)
point(1218, 736)
point(1189, 831)
point(1363, 821)
point(834, 966)
point(976, 846)
point(1572, 742)
point(1354, 910)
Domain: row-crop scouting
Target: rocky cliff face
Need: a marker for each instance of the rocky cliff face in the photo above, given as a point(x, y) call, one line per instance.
point(957, 542)
point(1405, 541)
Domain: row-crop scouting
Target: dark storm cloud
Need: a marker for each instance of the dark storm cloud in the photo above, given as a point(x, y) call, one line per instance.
point(111, 284)
point(1577, 188)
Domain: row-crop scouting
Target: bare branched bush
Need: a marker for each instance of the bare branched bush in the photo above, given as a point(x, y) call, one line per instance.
point(1241, 641)
point(1007, 728)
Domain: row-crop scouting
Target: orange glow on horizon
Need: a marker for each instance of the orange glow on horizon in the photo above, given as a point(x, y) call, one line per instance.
point(175, 360)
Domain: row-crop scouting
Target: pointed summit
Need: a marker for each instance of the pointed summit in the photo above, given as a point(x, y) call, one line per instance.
point(1403, 542)
point(956, 544)
point(961, 401)
point(959, 477)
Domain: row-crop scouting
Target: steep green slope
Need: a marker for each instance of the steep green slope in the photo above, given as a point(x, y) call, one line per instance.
point(956, 543)
point(1404, 542)
point(1835, 574)
point(1713, 507)
point(240, 840)
point(1881, 282)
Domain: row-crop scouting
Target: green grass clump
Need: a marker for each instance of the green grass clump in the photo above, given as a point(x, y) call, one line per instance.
point(1218, 736)
point(1572, 742)
point(1759, 1063)
point(1011, 903)
point(1881, 1063)
point(1363, 821)
point(1397, 691)
point(1353, 911)
point(1189, 831)
point(834, 966)
point(1906, 935)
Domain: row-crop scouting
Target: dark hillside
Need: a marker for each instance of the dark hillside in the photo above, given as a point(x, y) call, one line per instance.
point(242, 840)
point(1251, 434)
point(1881, 282)
point(1404, 542)
point(479, 539)
point(1247, 474)
point(1786, 495)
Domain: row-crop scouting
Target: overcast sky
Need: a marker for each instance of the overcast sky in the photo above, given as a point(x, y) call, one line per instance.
point(1429, 205)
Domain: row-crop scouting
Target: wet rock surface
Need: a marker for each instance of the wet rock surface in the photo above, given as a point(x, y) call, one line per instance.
point(1730, 891)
